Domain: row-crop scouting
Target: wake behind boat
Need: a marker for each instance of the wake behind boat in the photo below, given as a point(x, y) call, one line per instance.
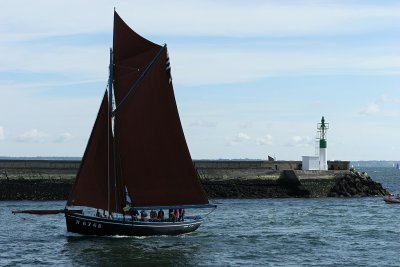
point(136, 158)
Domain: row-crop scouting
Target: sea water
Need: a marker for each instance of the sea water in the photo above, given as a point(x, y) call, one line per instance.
point(257, 232)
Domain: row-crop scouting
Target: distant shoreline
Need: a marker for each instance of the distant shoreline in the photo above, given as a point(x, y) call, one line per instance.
point(355, 164)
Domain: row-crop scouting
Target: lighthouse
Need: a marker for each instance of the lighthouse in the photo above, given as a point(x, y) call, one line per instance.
point(323, 155)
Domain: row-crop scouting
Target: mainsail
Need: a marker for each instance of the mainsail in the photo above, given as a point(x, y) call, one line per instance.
point(148, 154)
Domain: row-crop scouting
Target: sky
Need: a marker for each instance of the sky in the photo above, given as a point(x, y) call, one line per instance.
point(251, 78)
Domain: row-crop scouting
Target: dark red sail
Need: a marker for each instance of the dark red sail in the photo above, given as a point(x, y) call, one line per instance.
point(95, 182)
point(154, 160)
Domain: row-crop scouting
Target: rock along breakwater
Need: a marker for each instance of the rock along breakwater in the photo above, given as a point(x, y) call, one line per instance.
point(52, 179)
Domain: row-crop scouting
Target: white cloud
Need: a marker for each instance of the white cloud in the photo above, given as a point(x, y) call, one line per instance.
point(300, 141)
point(57, 59)
point(387, 105)
point(64, 137)
point(371, 109)
point(266, 140)
point(32, 135)
point(396, 101)
point(384, 98)
point(2, 135)
point(389, 99)
point(277, 18)
point(237, 62)
point(239, 138)
point(202, 123)
point(196, 18)
point(257, 63)
point(246, 125)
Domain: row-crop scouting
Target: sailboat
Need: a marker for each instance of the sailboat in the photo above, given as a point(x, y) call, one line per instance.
point(137, 158)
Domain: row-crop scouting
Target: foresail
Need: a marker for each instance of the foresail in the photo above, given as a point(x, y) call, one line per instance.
point(153, 157)
point(96, 172)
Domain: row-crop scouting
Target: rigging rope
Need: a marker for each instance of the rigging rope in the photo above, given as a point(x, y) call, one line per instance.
point(210, 212)
point(137, 82)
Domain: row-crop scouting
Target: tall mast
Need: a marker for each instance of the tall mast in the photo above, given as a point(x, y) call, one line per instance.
point(110, 98)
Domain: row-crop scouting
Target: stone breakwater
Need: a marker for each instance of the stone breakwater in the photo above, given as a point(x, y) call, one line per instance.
point(292, 183)
point(52, 180)
point(35, 189)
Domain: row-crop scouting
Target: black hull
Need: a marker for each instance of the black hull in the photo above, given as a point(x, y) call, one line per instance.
point(89, 225)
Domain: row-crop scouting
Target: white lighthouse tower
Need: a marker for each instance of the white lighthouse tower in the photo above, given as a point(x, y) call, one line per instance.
point(323, 155)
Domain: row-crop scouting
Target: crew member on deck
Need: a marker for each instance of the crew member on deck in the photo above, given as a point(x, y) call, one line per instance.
point(143, 215)
point(160, 215)
point(153, 214)
point(171, 215)
point(181, 215)
point(135, 215)
point(176, 214)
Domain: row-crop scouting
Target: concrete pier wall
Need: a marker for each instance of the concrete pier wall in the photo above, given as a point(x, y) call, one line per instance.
point(46, 179)
point(38, 169)
point(260, 164)
point(58, 169)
